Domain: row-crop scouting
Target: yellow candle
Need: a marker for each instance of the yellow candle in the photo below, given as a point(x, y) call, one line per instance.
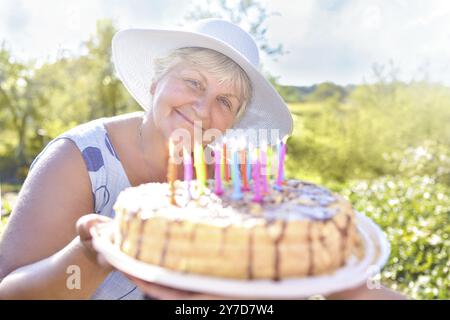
point(200, 166)
point(269, 162)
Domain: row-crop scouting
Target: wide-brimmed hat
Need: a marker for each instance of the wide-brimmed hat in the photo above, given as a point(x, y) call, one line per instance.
point(134, 49)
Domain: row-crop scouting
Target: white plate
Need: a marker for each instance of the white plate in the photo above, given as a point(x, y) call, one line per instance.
point(354, 273)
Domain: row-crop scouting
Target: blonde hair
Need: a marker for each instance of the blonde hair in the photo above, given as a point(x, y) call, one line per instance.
point(219, 65)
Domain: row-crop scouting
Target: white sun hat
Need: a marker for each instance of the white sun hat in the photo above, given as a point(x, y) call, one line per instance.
point(134, 49)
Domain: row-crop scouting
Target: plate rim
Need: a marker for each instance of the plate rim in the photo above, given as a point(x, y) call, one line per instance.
point(261, 288)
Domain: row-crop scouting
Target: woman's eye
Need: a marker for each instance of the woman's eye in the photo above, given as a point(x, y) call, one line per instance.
point(226, 103)
point(193, 83)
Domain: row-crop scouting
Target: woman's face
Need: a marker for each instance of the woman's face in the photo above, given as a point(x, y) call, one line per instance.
point(187, 95)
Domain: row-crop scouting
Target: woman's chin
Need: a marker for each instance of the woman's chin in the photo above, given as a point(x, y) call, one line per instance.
point(177, 130)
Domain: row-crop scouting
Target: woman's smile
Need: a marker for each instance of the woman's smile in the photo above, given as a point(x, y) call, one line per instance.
point(187, 119)
point(184, 117)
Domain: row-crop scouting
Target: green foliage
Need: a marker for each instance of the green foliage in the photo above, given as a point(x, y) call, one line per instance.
point(415, 214)
point(251, 15)
point(430, 159)
point(8, 199)
point(39, 103)
point(386, 146)
point(362, 137)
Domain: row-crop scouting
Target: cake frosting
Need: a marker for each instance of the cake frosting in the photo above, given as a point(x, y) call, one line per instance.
point(301, 230)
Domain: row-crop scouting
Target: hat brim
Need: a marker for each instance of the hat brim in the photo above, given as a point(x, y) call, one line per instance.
point(134, 49)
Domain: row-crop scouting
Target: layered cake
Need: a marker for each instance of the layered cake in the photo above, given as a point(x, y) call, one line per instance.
point(299, 230)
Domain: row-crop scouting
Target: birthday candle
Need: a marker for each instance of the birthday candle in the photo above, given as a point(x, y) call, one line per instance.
point(218, 180)
point(226, 175)
point(269, 162)
point(171, 172)
point(264, 173)
point(245, 186)
point(200, 169)
point(282, 155)
point(237, 194)
point(188, 174)
point(256, 174)
point(249, 162)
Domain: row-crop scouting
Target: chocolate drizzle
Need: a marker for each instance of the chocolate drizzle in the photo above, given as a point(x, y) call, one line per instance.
point(193, 233)
point(250, 255)
point(140, 240)
point(166, 244)
point(322, 237)
point(127, 231)
point(344, 235)
point(310, 250)
point(276, 276)
point(222, 241)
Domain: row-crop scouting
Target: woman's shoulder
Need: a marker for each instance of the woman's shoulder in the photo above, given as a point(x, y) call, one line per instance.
point(61, 169)
point(62, 155)
point(99, 125)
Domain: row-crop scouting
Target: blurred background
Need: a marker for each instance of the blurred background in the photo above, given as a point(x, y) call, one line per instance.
point(368, 84)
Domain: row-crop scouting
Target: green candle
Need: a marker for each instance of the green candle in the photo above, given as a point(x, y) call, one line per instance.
point(200, 168)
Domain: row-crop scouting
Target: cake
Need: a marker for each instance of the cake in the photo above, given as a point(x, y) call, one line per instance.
point(299, 230)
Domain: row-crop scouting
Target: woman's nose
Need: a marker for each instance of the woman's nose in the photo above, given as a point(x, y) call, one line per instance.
point(203, 108)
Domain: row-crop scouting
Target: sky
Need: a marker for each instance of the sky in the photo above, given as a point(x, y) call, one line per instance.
point(326, 40)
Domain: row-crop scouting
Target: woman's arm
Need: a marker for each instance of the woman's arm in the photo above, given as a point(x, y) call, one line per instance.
point(40, 243)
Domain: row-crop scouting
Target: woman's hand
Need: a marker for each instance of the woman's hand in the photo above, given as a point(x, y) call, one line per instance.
point(84, 225)
point(159, 292)
point(364, 293)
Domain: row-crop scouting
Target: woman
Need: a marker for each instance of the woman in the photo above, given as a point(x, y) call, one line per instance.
point(208, 76)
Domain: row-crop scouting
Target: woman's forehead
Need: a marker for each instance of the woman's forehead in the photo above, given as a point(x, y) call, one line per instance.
point(226, 84)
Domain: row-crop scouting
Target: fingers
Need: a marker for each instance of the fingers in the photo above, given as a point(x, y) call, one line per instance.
point(161, 292)
point(83, 226)
point(101, 260)
point(86, 222)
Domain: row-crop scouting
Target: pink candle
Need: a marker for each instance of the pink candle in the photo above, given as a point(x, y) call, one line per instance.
point(256, 175)
point(264, 173)
point(188, 170)
point(217, 174)
point(281, 158)
point(171, 172)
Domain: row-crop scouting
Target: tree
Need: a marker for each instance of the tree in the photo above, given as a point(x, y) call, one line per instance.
point(19, 100)
point(107, 97)
point(37, 104)
point(250, 15)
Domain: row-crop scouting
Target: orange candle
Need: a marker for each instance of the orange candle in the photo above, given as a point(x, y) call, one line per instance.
point(225, 164)
point(245, 185)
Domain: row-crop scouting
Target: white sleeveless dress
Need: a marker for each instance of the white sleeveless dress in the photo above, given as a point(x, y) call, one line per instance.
point(108, 178)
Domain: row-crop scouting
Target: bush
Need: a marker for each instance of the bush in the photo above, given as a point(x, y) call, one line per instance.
point(348, 140)
point(415, 213)
point(431, 158)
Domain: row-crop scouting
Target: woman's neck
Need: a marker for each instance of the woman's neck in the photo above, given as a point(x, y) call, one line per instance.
point(154, 149)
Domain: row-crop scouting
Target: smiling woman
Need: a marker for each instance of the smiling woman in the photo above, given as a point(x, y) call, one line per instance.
point(209, 74)
point(219, 66)
point(197, 87)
